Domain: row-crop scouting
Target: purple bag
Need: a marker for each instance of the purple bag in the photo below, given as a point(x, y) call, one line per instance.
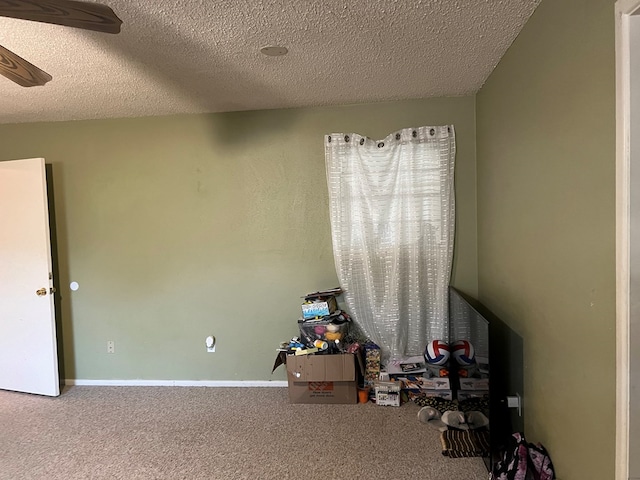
point(523, 461)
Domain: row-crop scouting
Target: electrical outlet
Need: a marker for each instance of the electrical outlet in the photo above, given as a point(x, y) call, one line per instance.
point(111, 346)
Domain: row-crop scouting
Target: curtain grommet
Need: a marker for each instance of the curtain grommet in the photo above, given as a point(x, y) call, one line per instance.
point(362, 141)
point(381, 144)
point(346, 138)
point(329, 139)
point(432, 132)
point(414, 134)
point(397, 136)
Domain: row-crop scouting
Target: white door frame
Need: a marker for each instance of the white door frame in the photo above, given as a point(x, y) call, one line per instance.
point(623, 10)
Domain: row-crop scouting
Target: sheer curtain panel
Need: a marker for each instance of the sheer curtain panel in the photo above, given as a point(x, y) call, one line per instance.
point(392, 224)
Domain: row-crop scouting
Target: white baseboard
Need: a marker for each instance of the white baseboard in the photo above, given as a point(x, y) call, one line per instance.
point(176, 383)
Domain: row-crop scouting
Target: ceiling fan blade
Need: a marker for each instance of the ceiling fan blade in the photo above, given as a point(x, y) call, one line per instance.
point(85, 15)
point(17, 69)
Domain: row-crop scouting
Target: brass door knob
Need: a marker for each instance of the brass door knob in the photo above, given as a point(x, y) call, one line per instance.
point(41, 292)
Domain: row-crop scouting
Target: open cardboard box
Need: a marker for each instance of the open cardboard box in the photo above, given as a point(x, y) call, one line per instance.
point(323, 378)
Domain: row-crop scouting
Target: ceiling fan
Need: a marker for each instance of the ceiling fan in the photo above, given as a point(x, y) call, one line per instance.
point(70, 13)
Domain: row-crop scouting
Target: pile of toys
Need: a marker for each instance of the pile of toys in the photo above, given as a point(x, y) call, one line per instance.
point(323, 327)
point(445, 371)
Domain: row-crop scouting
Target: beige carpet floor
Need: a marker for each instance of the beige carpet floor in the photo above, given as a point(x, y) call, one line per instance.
point(215, 433)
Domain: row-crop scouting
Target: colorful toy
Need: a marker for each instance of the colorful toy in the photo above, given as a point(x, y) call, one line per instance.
point(333, 336)
point(320, 329)
point(437, 352)
point(295, 344)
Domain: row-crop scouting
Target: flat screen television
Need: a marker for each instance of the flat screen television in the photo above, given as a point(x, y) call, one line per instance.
point(498, 366)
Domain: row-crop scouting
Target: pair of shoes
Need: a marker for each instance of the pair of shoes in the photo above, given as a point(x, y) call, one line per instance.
point(431, 416)
point(465, 421)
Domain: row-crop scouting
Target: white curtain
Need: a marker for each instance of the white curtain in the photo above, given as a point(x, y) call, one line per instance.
point(392, 223)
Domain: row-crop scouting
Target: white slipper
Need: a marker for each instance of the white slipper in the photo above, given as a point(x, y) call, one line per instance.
point(477, 419)
point(455, 419)
point(431, 416)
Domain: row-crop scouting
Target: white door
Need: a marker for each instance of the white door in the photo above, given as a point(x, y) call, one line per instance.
point(28, 351)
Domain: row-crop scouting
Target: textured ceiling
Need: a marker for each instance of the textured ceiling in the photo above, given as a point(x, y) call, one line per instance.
point(191, 56)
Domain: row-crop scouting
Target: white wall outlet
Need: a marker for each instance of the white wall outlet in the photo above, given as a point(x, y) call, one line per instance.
point(515, 402)
point(210, 342)
point(111, 346)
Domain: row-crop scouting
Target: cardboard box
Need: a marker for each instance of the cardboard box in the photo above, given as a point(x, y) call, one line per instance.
point(421, 383)
point(446, 394)
point(322, 378)
point(436, 383)
point(474, 384)
point(467, 394)
point(319, 308)
point(443, 394)
point(388, 393)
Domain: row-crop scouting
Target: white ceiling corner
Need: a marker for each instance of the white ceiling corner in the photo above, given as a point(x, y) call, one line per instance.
point(189, 56)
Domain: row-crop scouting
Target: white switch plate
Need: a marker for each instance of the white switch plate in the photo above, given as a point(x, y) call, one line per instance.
point(111, 346)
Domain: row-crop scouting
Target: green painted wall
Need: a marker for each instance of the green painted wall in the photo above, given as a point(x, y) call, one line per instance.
point(180, 227)
point(546, 231)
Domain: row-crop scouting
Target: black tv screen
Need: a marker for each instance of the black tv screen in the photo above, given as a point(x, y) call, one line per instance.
point(498, 360)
